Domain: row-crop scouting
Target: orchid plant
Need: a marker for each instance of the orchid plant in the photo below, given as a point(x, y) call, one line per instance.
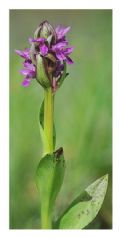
point(46, 61)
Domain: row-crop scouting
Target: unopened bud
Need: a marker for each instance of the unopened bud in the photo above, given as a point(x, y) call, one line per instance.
point(45, 30)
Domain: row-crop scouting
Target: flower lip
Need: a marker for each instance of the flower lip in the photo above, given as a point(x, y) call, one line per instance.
point(36, 40)
point(43, 50)
point(23, 54)
point(61, 31)
point(69, 60)
point(59, 45)
point(26, 82)
point(28, 73)
point(29, 66)
point(62, 53)
point(68, 50)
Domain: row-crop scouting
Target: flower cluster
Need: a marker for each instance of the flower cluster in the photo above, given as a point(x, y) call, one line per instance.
point(51, 45)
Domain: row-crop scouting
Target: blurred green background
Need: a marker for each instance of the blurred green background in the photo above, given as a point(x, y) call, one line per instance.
point(83, 114)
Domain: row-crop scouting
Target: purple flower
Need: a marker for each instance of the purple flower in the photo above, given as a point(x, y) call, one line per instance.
point(52, 46)
point(61, 31)
point(59, 69)
point(24, 54)
point(42, 46)
point(62, 53)
point(29, 72)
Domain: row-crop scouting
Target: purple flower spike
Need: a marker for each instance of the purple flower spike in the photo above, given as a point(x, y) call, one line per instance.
point(48, 49)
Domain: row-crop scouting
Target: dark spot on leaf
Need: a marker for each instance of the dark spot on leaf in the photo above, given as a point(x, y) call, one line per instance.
point(87, 212)
point(79, 215)
point(93, 202)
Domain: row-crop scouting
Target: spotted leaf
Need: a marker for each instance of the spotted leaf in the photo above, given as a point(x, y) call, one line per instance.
point(85, 207)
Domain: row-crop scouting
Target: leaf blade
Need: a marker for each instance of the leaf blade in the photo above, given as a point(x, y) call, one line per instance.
point(49, 177)
point(80, 214)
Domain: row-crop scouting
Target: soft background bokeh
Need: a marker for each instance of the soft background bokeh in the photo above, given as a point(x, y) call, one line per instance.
point(82, 114)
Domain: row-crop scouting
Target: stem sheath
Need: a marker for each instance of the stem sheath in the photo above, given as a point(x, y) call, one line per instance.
point(48, 119)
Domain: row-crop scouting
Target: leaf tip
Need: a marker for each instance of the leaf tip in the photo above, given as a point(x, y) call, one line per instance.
point(105, 177)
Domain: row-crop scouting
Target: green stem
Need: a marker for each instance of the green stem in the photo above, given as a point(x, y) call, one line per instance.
point(46, 217)
point(46, 212)
point(48, 119)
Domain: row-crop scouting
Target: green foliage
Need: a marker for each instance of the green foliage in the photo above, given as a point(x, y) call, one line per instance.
point(85, 208)
point(49, 179)
point(50, 175)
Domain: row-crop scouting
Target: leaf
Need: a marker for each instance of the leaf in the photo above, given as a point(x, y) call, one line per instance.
point(49, 177)
point(85, 207)
point(41, 126)
point(43, 136)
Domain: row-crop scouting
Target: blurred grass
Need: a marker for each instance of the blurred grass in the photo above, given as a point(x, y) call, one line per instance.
point(82, 114)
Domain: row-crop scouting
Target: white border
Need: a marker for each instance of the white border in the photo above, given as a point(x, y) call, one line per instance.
point(53, 4)
point(4, 111)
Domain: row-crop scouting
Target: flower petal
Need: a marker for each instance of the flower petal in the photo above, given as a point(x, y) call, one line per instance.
point(59, 45)
point(28, 73)
point(60, 55)
point(68, 50)
point(69, 60)
point(23, 54)
point(43, 49)
point(26, 82)
point(61, 31)
point(25, 72)
point(29, 66)
point(37, 40)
